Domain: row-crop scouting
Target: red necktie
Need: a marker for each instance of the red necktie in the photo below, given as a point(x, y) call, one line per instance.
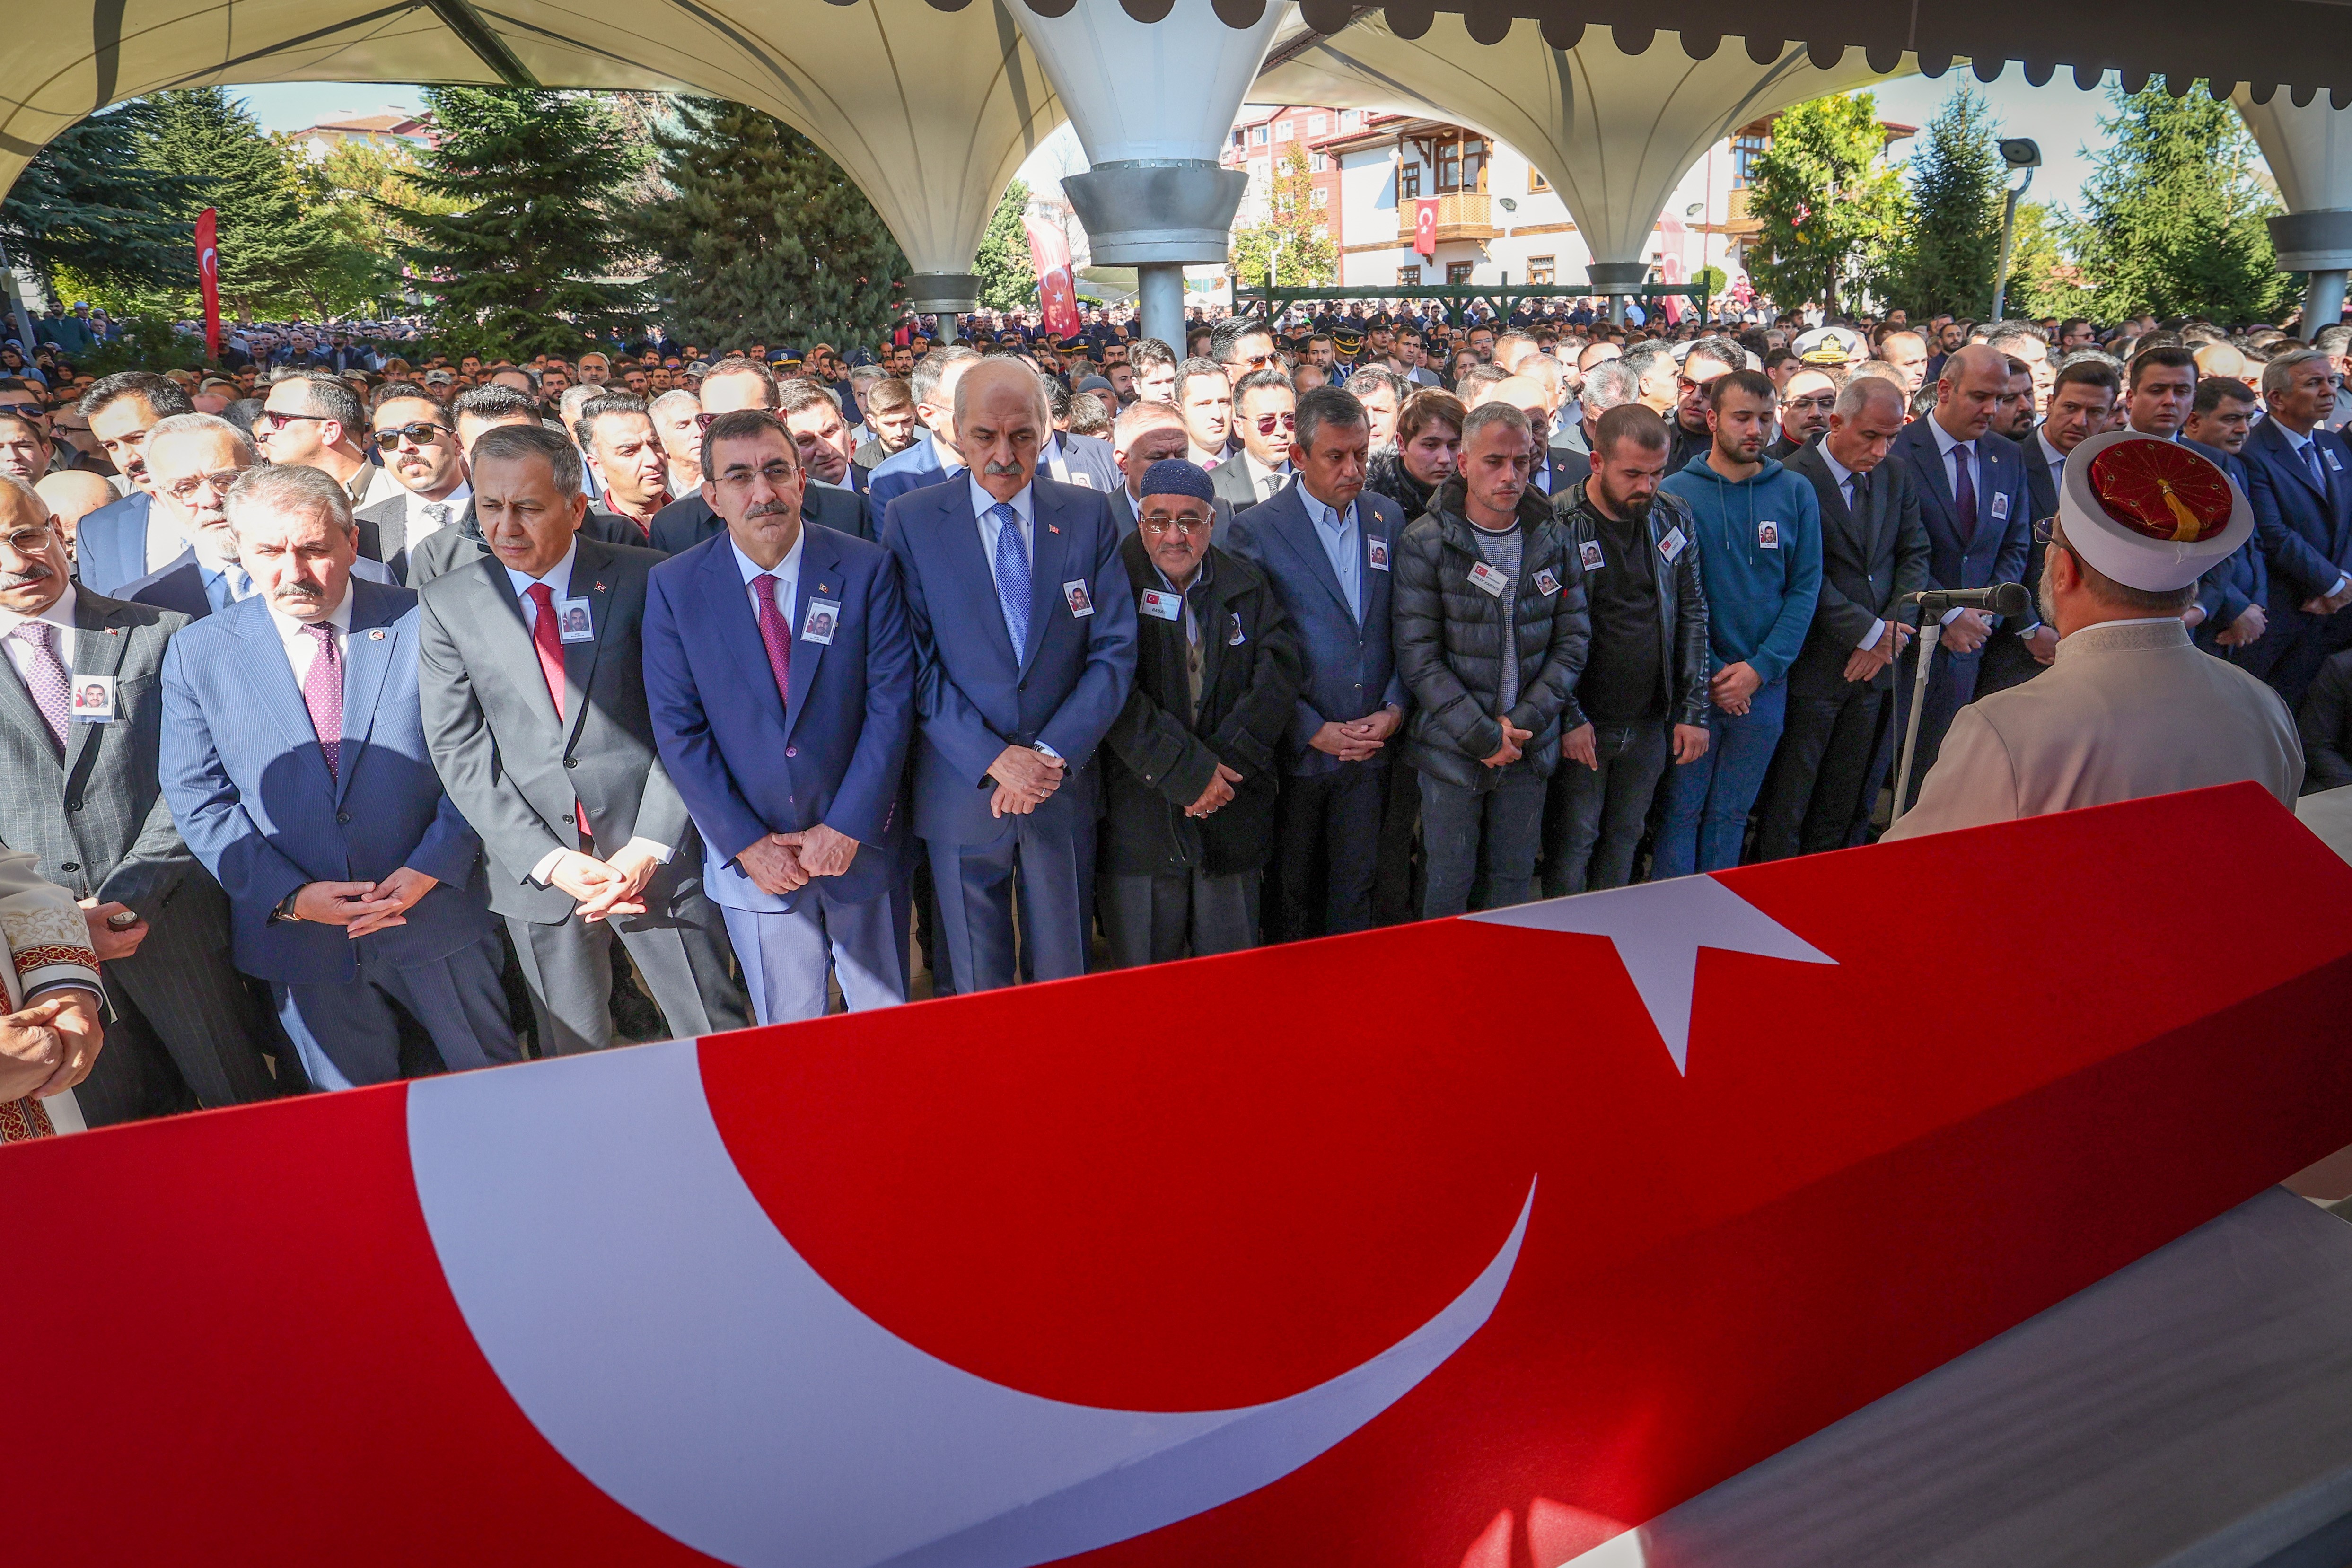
point(547, 642)
point(777, 635)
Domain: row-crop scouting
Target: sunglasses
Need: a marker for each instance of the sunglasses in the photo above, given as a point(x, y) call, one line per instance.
point(280, 421)
point(1267, 424)
point(421, 434)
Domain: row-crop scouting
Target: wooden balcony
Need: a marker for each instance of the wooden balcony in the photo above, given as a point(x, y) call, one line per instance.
point(1464, 215)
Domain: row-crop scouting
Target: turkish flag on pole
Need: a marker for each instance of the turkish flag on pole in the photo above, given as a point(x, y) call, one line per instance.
point(208, 274)
point(1178, 1265)
point(1057, 294)
point(1425, 226)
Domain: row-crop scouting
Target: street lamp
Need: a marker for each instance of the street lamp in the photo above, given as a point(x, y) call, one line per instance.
point(2019, 154)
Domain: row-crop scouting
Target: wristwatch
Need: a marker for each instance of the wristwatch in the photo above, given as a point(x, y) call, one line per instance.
point(284, 914)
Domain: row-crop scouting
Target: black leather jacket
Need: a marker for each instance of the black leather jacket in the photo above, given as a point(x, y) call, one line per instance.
point(1682, 602)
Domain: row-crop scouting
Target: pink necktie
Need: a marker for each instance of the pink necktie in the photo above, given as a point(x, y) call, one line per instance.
point(778, 635)
point(547, 642)
point(322, 693)
point(52, 689)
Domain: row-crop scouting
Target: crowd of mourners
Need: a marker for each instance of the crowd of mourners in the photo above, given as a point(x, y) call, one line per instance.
point(387, 716)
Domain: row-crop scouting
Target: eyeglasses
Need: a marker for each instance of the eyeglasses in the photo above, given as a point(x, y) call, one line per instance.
point(32, 541)
point(1183, 527)
point(185, 489)
point(1267, 424)
point(1824, 402)
point(2041, 527)
point(421, 434)
point(278, 421)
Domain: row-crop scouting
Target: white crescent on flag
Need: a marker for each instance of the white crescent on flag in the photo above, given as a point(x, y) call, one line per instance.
point(608, 1257)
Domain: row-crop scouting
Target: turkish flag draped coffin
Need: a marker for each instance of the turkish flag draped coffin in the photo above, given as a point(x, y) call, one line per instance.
point(1334, 1252)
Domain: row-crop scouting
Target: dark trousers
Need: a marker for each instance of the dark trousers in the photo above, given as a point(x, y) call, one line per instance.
point(2290, 653)
point(1481, 840)
point(1834, 752)
point(2006, 663)
point(1593, 817)
point(1707, 801)
point(1156, 919)
point(348, 1033)
point(1395, 895)
point(1951, 686)
point(1050, 853)
point(184, 1031)
point(1327, 837)
point(568, 966)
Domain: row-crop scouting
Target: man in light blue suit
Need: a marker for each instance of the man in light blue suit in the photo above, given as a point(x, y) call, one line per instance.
point(781, 678)
point(112, 544)
point(936, 457)
point(295, 763)
point(1024, 634)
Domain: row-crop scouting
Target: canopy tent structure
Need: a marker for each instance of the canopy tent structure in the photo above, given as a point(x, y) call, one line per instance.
point(931, 113)
point(2310, 153)
point(1613, 131)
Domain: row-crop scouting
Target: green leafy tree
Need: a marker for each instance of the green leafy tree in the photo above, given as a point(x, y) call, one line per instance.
point(1008, 274)
point(535, 261)
point(762, 237)
point(2043, 279)
point(1830, 207)
point(272, 245)
point(91, 205)
point(1953, 241)
point(357, 192)
point(2172, 216)
point(1294, 238)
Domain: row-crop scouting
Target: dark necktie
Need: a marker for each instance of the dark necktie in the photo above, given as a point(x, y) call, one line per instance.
point(2311, 461)
point(1964, 486)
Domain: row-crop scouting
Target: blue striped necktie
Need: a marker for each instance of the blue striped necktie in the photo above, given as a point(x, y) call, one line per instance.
point(1011, 574)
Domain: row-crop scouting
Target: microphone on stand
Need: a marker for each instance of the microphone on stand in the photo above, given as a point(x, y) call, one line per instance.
point(2001, 599)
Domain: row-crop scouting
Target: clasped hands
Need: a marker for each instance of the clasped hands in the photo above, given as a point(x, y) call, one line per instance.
point(1025, 779)
point(782, 862)
point(48, 1047)
point(1863, 664)
point(604, 888)
point(1358, 739)
point(363, 907)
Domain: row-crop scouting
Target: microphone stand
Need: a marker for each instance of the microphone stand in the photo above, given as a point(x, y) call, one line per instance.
point(1930, 635)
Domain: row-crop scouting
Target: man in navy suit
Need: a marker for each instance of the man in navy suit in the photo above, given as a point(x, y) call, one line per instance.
point(781, 678)
point(2232, 609)
point(1325, 542)
point(2081, 400)
point(192, 461)
point(116, 545)
point(1975, 499)
point(938, 455)
point(1024, 633)
point(295, 763)
point(2299, 478)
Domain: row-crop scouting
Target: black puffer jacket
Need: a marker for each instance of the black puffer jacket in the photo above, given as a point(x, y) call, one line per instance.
point(1448, 637)
point(1386, 475)
point(1682, 602)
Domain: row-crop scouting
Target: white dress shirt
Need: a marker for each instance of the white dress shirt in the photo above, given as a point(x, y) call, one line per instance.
point(557, 579)
point(301, 648)
point(787, 573)
point(1949, 446)
point(422, 522)
point(1265, 482)
point(20, 653)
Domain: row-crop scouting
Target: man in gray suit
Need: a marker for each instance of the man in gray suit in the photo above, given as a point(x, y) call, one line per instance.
point(418, 438)
point(80, 793)
point(484, 408)
point(534, 702)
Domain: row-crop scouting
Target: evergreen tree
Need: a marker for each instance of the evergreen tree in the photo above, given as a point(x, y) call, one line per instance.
point(762, 237)
point(1293, 240)
point(529, 264)
point(271, 246)
point(1956, 200)
point(2172, 221)
point(90, 202)
point(2043, 280)
point(1829, 205)
point(1008, 273)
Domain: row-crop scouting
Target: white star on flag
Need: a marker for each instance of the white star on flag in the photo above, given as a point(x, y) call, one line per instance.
point(1657, 928)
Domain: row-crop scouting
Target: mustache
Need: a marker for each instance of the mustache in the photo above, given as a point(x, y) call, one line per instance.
point(297, 590)
point(33, 572)
point(769, 509)
point(1003, 470)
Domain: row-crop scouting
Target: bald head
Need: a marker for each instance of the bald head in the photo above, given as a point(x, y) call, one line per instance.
point(1002, 425)
point(33, 565)
point(1527, 395)
point(75, 495)
point(1969, 390)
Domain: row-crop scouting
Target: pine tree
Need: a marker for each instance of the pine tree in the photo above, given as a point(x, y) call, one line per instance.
point(762, 237)
point(1293, 240)
point(2172, 220)
point(1956, 200)
point(271, 246)
point(90, 202)
point(1008, 273)
point(1829, 205)
point(529, 264)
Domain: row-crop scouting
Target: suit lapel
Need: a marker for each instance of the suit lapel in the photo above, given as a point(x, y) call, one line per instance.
point(281, 697)
point(368, 655)
point(1303, 538)
point(1048, 552)
point(95, 653)
point(591, 578)
point(17, 708)
point(2291, 461)
point(820, 579)
point(729, 604)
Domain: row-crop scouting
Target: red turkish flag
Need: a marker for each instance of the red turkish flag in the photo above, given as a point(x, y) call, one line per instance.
point(1057, 293)
point(1425, 226)
point(209, 276)
point(1581, 1207)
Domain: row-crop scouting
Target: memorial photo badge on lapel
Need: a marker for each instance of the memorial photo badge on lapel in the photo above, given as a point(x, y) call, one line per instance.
point(817, 626)
point(1076, 592)
point(93, 699)
point(1376, 551)
point(1589, 554)
point(1236, 640)
point(2000, 506)
point(1767, 536)
point(575, 622)
point(1545, 583)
